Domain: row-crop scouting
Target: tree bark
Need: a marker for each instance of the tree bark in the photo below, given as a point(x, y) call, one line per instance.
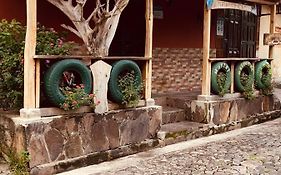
point(105, 21)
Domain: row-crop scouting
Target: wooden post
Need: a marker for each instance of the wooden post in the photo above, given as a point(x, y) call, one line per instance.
point(148, 48)
point(37, 81)
point(232, 68)
point(29, 52)
point(206, 71)
point(272, 27)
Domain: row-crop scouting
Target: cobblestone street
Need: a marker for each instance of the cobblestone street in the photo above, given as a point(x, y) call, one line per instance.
point(251, 150)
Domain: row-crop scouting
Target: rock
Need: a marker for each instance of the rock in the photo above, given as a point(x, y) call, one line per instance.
point(100, 141)
point(73, 147)
point(38, 152)
point(133, 131)
point(54, 142)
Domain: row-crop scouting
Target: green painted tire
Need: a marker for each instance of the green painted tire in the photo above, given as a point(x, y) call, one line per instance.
point(118, 68)
point(239, 69)
point(53, 77)
point(216, 68)
point(263, 67)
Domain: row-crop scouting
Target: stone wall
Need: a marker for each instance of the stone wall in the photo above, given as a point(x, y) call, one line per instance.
point(224, 111)
point(60, 139)
point(177, 69)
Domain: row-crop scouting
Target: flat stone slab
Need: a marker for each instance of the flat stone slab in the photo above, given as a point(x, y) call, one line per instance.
point(181, 126)
point(172, 115)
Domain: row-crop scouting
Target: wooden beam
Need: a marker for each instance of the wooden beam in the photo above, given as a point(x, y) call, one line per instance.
point(148, 48)
point(272, 27)
point(29, 52)
point(37, 85)
point(218, 4)
point(206, 71)
point(52, 57)
point(232, 69)
point(236, 59)
point(264, 2)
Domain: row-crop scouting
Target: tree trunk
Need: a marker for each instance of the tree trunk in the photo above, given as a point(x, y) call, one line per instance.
point(99, 38)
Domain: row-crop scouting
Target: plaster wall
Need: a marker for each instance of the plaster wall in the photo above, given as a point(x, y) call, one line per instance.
point(263, 50)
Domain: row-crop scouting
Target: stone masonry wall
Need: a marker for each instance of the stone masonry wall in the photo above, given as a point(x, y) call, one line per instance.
point(58, 140)
point(229, 110)
point(177, 69)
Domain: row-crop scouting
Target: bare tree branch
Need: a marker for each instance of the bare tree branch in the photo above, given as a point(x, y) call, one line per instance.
point(99, 37)
point(72, 30)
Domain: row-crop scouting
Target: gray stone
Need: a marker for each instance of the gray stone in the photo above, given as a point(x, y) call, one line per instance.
point(73, 147)
point(38, 152)
point(133, 131)
point(155, 121)
point(99, 138)
point(112, 133)
point(54, 142)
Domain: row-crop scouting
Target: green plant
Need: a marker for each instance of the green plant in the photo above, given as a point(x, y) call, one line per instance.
point(12, 36)
point(266, 79)
point(221, 79)
point(249, 90)
point(18, 162)
point(130, 89)
point(76, 97)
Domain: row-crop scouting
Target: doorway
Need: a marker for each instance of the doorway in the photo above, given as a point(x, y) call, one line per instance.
point(236, 34)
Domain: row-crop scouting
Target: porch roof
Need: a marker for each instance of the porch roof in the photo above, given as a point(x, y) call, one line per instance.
point(269, 2)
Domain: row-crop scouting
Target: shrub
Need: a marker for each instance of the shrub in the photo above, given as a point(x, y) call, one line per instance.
point(12, 35)
point(130, 89)
point(77, 97)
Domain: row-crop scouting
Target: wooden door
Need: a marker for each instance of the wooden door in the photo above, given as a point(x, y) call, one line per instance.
point(248, 35)
point(238, 36)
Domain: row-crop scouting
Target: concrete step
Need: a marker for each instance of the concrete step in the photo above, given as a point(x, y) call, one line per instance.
point(172, 115)
point(181, 131)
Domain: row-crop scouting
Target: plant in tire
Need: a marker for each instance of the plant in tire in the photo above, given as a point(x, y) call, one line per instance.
point(266, 78)
point(220, 78)
point(77, 97)
point(248, 88)
point(12, 36)
point(130, 89)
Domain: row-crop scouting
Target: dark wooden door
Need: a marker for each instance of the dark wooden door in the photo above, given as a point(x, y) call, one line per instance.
point(248, 35)
point(238, 36)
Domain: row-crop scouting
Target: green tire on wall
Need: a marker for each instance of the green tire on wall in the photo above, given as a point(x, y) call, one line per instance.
point(118, 68)
point(54, 74)
point(216, 68)
point(239, 68)
point(260, 69)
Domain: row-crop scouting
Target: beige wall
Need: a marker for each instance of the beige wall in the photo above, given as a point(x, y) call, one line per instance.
point(263, 50)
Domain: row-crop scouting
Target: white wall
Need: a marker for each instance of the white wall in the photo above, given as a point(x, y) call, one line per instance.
point(263, 50)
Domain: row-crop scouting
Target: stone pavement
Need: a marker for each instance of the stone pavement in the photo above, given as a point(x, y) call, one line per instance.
point(254, 150)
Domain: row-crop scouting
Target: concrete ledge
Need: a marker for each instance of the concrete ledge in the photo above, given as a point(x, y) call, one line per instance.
point(30, 113)
point(170, 137)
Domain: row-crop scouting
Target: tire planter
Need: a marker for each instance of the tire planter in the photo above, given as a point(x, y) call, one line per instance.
point(261, 68)
point(241, 67)
point(54, 74)
point(119, 68)
point(216, 68)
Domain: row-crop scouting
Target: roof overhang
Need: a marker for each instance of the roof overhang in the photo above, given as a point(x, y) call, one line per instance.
point(265, 2)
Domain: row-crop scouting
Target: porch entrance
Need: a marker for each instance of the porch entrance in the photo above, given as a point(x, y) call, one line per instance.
point(236, 34)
